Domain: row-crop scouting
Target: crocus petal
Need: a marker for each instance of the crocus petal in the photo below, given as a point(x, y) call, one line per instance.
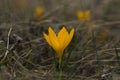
point(61, 33)
point(69, 38)
point(53, 39)
point(62, 36)
point(54, 42)
point(71, 35)
point(47, 39)
point(51, 32)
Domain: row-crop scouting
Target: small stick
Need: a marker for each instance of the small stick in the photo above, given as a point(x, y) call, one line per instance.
point(8, 41)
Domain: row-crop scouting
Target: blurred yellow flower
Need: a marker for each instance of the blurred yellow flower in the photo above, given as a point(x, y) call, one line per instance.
point(38, 12)
point(60, 41)
point(84, 16)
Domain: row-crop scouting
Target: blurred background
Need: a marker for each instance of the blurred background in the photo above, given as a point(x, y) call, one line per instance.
point(95, 48)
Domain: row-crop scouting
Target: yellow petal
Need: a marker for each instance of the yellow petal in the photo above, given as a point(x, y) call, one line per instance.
point(52, 33)
point(53, 39)
point(54, 43)
point(47, 38)
point(61, 32)
point(71, 35)
point(69, 38)
point(62, 36)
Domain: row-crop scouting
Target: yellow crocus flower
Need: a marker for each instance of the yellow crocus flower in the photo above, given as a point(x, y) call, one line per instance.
point(60, 41)
point(38, 12)
point(84, 15)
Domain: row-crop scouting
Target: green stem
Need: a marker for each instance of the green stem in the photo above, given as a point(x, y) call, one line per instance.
point(60, 73)
point(68, 57)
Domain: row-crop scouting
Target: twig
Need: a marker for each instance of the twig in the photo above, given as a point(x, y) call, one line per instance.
point(7, 48)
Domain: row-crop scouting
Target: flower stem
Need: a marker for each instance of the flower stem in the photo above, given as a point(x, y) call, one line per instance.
point(60, 61)
point(60, 73)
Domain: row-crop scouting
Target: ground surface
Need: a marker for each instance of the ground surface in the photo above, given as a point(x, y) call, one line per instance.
point(95, 47)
